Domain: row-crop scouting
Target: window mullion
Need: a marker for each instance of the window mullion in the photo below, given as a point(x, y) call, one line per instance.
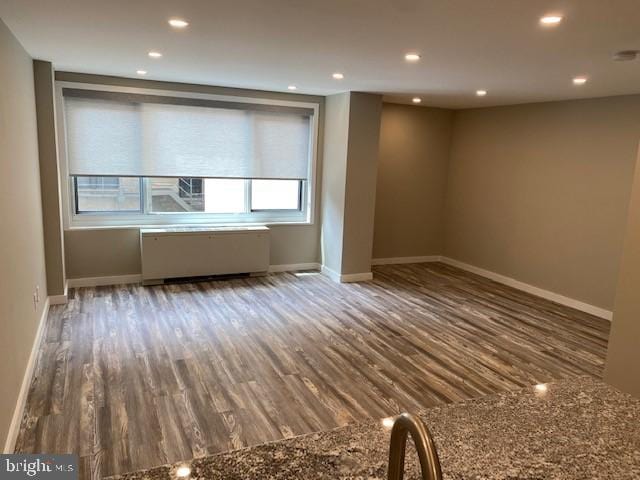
point(247, 196)
point(74, 183)
point(143, 195)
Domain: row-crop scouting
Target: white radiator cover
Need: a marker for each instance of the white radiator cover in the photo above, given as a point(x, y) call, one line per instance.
point(195, 252)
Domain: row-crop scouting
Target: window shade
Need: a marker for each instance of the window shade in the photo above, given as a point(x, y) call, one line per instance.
point(111, 134)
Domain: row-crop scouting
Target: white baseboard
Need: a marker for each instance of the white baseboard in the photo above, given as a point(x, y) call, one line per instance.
point(294, 267)
point(356, 277)
point(103, 281)
point(346, 278)
point(16, 420)
point(60, 299)
point(57, 299)
point(332, 274)
point(525, 287)
point(400, 260)
point(365, 276)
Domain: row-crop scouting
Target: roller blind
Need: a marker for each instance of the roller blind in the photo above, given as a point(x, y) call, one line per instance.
point(112, 134)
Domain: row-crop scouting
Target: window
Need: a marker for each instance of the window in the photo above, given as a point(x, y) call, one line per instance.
point(204, 195)
point(137, 158)
point(94, 195)
point(107, 194)
point(275, 195)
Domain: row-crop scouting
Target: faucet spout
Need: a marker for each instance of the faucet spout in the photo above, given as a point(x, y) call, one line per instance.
point(427, 454)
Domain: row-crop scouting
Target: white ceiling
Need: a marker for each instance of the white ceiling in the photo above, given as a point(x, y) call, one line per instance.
point(496, 45)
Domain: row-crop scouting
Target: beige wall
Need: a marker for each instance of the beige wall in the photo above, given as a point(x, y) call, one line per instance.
point(360, 192)
point(49, 185)
point(102, 253)
point(412, 177)
point(623, 357)
point(97, 253)
point(536, 192)
point(334, 178)
point(539, 192)
point(352, 125)
point(22, 265)
point(114, 252)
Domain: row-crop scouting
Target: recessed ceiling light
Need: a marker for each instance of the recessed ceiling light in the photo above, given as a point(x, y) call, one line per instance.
point(338, 76)
point(580, 80)
point(416, 99)
point(292, 87)
point(412, 57)
point(550, 20)
point(481, 93)
point(154, 54)
point(183, 472)
point(178, 23)
point(141, 72)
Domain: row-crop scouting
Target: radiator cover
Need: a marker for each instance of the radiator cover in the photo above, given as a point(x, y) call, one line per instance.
point(195, 252)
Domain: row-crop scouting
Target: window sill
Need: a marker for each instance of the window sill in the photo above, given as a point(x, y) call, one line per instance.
point(184, 225)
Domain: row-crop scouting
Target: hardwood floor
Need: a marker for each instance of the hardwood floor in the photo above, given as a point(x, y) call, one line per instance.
point(130, 377)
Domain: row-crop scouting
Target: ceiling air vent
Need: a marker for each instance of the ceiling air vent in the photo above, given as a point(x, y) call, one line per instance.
point(626, 55)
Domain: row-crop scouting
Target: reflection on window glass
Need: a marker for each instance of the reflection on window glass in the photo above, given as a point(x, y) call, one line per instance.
point(107, 194)
point(204, 195)
point(275, 194)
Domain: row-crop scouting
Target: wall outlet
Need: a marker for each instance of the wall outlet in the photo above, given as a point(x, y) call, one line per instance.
point(35, 301)
point(38, 293)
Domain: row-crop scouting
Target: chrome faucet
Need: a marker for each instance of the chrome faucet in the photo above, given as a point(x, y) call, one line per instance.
point(404, 424)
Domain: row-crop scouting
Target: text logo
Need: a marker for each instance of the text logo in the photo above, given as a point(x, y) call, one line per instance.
point(35, 467)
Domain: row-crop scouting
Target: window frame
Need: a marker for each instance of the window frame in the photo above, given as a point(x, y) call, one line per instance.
point(145, 218)
point(140, 210)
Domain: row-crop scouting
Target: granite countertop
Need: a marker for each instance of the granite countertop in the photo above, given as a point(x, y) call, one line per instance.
point(576, 429)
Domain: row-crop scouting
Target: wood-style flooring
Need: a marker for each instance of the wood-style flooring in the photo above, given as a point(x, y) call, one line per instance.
point(130, 377)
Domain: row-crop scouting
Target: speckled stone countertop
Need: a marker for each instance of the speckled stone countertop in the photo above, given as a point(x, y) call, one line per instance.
point(578, 429)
